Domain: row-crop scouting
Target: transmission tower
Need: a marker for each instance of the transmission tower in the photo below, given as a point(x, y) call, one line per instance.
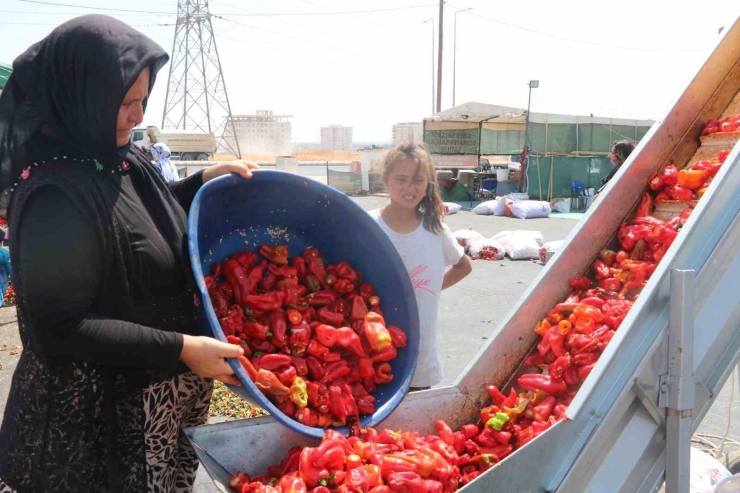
point(196, 92)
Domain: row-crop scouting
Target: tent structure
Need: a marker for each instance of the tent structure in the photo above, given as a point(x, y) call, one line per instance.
point(485, 129)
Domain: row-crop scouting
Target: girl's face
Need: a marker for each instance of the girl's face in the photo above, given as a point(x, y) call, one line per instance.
point(407, 183)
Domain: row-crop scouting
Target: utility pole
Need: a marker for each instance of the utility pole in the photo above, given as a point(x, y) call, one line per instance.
point(439, 55)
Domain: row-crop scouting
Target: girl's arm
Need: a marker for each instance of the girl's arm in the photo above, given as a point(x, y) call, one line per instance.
point(458, 272)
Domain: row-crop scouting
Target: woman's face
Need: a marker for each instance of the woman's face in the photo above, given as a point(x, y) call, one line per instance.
point(407, 183)
point(131, 112)
point(613, 158)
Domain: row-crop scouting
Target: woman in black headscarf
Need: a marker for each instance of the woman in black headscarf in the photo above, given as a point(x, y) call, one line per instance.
point(111, 369)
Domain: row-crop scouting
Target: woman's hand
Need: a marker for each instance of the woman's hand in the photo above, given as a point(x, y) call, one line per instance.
point(205, 357)
point(244, 170)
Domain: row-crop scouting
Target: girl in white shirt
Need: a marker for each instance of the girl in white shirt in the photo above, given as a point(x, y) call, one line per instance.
point(413, 221)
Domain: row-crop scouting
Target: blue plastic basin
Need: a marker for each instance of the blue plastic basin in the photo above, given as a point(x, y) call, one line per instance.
point(231, 214)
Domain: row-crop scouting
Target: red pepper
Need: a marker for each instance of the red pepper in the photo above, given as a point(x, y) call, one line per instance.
point(307, 416)
point(335, 370)
point(300, 265)
point(316, 265)
point(357, 480)
point(329, 317)
point(321, 298)
point(543, 411)
point(670, 175)
point(336, 404)
point(312, 474)
point(219, 302)
point(573, 297)
point(237, 278)
point(300, 336)
point(276, 254)
point(254, 330)
point(376, 333)
point(317, 396)
point(266, 302)
point(593, 301)
point(535, 359)
point(238, 481)
point(470, 430)
point(601, 269)
point(469, 477)
point(273, 362)
point(317, 349)
point(557, 344)
point(559, 410)
point(342, 287)
point(269, 384)
point(656, 182)
point(583, 371)
point(612, 284)
point(300, 365)
point(534, 382)
point(544, 345)
point(283, 270)
point(269, 282)
point(580, 283)
point(326, 335)
point(359, 308)
point(278, 327)
point(387, 354)
point(662, 197)
point(292, 483)
point(584, 359)
point(383, 374)
point(294, 317)
point(497, 397)
point(646, 205)
point(398, 336)
point(345, 271)
point(680, 193)
point(312, 283)
point(374, 301)
point(366, 290)
point(558, 368)
point(347, 338)
point(405, 481)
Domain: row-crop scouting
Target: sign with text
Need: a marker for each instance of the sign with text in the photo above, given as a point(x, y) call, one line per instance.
point(463, 141)
point(455, 161)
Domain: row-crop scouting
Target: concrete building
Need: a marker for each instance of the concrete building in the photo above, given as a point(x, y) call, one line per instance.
point(336, 138)
point(263, 132)
point(408, 132)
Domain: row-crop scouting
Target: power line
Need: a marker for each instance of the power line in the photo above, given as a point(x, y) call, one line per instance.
point(92, 8)
point(65, 13)
point(346, 12)
point(572, 40)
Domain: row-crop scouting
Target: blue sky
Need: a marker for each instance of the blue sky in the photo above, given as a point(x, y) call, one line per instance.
point(369, 70)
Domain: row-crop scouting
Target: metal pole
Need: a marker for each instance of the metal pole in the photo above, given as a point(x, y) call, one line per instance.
point(431, 23)
point(454, 57)
point(439, 55)
point(680, 381)
point(526, 123)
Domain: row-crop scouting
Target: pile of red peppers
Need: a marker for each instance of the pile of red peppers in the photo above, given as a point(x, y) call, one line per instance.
point(574, 334)
point(686, 185)
point(729, 124)
point(314, 338)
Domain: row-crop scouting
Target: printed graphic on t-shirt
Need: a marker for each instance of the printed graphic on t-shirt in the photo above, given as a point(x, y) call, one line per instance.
point(418, 279)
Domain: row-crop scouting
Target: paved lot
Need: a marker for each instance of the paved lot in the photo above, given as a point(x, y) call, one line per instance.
point(469, 311)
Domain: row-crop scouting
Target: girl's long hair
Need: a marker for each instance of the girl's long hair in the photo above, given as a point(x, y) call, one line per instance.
point(431, 208)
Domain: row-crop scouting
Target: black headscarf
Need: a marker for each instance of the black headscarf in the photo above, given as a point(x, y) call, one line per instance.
point(65, 92)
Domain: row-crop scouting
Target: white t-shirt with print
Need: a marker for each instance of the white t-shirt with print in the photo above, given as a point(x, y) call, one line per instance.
point(426, 256)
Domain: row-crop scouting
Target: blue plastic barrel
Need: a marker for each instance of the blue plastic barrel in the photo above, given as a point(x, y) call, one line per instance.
point(231, 214)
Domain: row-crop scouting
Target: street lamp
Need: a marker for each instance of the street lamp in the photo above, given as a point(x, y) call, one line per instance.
point(432, 24)
point(533, 84)
point(454, 53)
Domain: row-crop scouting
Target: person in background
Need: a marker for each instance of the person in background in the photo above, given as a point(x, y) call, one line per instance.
point(618, 155)
point(113, 367)
point(451, 190)
point(413, 222)
point(161, 155)
point(5, 270)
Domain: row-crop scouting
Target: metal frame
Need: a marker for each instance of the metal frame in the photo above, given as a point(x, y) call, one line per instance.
point(196, 96)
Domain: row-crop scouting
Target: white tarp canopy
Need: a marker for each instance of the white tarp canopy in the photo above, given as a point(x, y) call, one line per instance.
point(494, 117)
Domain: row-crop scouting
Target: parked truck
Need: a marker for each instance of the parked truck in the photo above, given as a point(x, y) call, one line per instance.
point(184, 145)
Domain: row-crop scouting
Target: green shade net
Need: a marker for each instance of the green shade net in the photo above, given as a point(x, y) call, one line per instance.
point(5, 71)
point(566, 169)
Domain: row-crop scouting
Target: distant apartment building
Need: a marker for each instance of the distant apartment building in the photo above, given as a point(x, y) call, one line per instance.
point(263, 132)
point(408, 132)
point(336, 138)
